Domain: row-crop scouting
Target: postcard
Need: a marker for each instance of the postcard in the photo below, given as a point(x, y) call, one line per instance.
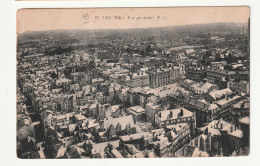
point(133, 82)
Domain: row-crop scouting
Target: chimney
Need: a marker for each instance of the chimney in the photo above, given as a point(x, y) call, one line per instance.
point(181, 113)
point(243, 105)
point(227, 97)
point(170, 115)
point(174, 130)
point(159, 113)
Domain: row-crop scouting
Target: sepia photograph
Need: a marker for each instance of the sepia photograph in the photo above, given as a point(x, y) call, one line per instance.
point(168, 82)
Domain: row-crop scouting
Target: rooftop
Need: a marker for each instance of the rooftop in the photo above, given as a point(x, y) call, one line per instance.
point(123, 121)
point(176, 113)
point(137, 109)
point(245, 120)
point(237, 133)
point(219, 93)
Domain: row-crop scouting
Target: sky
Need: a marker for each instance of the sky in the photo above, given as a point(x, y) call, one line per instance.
point(105, 18)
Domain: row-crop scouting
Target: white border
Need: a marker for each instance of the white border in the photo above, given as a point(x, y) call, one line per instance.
point(8, 82)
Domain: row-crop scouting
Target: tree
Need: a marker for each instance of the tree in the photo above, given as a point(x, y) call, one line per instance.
point(51, 140)
point(72, 119)
point(128, 50)
point(169, 136)
point(148, 48)
point(72, 153)
point(96, 136)
point(217, 57)
point(88, 148)
point(141, 143)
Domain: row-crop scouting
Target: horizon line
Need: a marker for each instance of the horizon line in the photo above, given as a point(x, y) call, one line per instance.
point(81, 29)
